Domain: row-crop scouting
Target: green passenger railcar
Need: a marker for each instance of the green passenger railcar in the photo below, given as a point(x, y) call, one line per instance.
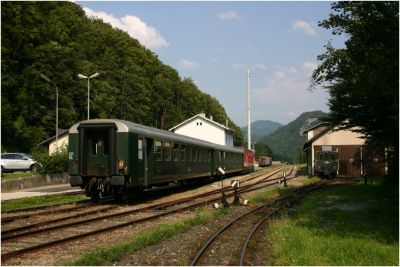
point(110, 157)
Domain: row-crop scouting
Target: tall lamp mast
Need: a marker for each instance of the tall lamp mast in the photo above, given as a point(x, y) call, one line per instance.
point(248, 112)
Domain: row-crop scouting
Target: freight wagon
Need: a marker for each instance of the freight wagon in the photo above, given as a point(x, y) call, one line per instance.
point(264, 161)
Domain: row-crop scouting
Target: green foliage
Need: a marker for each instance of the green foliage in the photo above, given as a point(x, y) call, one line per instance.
point(363, 78)
point(286, 141)
point(55, 163)
point(340, 225)
point(263, 150)
point(58, 40)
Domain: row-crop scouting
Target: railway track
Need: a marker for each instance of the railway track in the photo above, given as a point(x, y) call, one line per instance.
point(15, 215)
point(242, 228)
point(12, 233)
point(11, 216)
point(26, 239)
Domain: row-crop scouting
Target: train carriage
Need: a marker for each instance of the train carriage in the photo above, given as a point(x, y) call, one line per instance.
point(109, 156)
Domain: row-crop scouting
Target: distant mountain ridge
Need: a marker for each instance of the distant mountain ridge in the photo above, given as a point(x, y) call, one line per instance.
point(286, 140)
point(259, 129)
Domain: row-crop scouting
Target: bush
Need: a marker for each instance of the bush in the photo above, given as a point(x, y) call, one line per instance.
point(55, 163)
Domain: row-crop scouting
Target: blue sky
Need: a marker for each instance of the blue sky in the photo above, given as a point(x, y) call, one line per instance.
point(215, 43)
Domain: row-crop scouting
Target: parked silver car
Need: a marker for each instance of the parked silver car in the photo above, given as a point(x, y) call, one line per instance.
point(11, 162)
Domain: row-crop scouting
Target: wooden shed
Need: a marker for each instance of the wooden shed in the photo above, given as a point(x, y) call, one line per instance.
point(355, 159)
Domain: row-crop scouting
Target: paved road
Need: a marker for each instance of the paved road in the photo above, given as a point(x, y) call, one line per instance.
point(39, 191)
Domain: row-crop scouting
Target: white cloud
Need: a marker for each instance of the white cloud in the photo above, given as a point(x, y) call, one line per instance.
point(187, 64)
point(310, 66)
point(258, 67)
point(307, 27)
point(253, 67)
point(134, 26)
point(229, 15)
point(285, 93)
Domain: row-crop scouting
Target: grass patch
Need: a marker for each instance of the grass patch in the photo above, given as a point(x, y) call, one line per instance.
point(15, 175)
point(302, 169)
point(109, 254)
point(339, 225)
point(30, 202)
point(272, 192)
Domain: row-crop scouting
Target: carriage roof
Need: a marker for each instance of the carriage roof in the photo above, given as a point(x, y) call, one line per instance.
point(131, 127)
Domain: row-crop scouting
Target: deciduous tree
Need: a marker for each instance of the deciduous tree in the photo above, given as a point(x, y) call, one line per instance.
point(363, 78)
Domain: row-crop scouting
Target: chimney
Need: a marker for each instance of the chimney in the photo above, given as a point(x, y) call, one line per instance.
point(211, 117)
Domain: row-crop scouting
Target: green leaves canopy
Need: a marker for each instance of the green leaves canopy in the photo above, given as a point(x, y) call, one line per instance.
point(58, 40)
point(363, 77)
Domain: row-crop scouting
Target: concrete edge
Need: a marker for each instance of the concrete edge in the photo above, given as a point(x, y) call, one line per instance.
point(34, 181)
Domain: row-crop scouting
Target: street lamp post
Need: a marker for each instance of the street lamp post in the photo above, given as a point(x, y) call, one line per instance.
point(50, 81)
point(88, 89)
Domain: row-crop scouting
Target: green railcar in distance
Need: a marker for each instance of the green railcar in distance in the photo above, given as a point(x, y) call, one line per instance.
point(327, 164)
point(113, 157)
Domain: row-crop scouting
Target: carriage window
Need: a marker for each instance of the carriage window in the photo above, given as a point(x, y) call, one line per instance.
point(183, 153)
point(175, 152)
point(189, 154)
point(157, 151)
point(140, 149)
point(97, 142)
point(194, 154)
point(167, 151)
point(200, 155)
point(99, 147)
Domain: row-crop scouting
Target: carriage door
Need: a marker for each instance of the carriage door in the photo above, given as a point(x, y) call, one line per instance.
point(97, 145)
point(148, 161)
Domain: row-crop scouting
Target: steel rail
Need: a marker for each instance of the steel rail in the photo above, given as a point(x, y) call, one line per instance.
point(13, 233)
point(226, 226)
point(25, 227)
point(44, 206)
point(11, 254)
point(24, 216)
point(267, 215)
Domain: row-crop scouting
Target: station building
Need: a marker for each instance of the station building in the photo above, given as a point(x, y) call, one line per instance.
point(355, 158)
point(203, 128)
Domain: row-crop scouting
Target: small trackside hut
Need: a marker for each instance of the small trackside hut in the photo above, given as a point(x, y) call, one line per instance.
point(110, 157)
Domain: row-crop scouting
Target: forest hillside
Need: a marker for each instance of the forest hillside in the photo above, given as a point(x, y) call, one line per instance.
point(57, 39)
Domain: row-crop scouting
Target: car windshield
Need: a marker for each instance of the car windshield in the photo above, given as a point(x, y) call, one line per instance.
point(26, 155)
